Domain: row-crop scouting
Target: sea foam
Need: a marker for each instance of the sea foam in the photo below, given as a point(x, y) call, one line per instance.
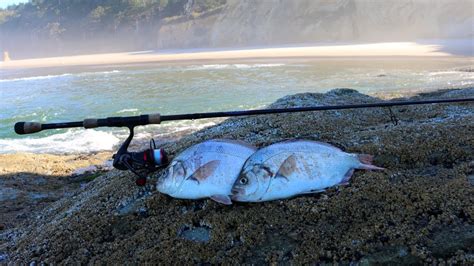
point(232, 66)
point(59, 76)
point(36, 78)
point(72, 141)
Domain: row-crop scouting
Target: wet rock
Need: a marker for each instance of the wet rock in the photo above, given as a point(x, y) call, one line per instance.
point(277, 247)
point(391, 256)
point(466, 69)
point(143, 212)
point(198, 234)
point(447, 241)
point(3, 257)
point(396, 216)
point(7, 193)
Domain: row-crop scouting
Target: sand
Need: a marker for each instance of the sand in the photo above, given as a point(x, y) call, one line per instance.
point(418, 211)
point(399, 49)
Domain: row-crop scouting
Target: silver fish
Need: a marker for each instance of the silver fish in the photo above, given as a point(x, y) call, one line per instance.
point(207, 169)
point(295, 167)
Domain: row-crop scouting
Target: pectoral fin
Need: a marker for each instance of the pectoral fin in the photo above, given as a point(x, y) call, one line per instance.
point(347, 177)
point(222, 199)
point(287, 167)
point(204, 171)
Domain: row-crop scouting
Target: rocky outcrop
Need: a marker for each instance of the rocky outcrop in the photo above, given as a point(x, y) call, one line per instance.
point(413, 212)
point(276, 22)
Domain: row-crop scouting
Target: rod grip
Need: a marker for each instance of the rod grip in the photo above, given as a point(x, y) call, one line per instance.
point(90, 123)
point(154, 118)
point(22, 128)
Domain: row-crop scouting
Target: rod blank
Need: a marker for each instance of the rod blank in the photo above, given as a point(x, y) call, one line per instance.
point(132, 121)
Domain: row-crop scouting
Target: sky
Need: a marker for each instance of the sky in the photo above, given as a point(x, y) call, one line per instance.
point(5, 3)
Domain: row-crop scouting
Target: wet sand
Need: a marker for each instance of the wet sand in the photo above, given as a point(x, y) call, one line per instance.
point(398, 49)
point(419, 210)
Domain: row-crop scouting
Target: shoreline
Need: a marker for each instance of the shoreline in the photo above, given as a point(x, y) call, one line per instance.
point(425, 160)
point(372, 50)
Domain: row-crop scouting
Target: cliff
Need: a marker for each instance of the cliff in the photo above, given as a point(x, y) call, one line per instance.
point(276, 22)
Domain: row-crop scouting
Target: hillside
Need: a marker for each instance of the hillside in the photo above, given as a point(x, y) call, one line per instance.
point(274, 22)
point(45, 28)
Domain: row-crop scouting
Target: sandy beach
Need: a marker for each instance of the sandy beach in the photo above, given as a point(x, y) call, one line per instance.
point(394, 49)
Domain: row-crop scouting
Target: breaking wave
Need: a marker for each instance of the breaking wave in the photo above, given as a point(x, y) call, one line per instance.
point(82, 141)
point(36, 78)
point(72, 141)
point(232, 66)
point(130, 110)
point(59, 76)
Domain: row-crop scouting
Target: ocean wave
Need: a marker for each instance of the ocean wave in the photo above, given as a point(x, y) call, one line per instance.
point(232, 66)
point(127, 110)
point(80, 141)
point(36, 78)
point(59, 76)
point(438, 73)
point(108, 72)
point(72, 141)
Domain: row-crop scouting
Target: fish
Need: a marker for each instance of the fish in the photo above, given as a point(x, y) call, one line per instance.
point(290, 168)
point(205, 170)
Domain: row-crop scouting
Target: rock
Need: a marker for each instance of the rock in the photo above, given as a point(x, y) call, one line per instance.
point(3, 257)
point(470, 178)
point(451, 239)
point(8, 193)
point(400, 215)
point(391, 255)
point(197, 234)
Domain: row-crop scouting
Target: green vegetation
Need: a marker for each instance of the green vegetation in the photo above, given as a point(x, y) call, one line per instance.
point(53, 27)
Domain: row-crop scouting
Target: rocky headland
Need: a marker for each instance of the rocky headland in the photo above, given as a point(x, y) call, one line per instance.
point(419, 210)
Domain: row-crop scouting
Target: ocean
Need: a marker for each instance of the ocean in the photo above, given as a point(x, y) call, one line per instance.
point(71, 94)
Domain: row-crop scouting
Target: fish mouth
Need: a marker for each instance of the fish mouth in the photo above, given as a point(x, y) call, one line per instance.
point(236, 192)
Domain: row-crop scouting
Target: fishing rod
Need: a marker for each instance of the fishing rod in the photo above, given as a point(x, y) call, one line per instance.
point(152, 158)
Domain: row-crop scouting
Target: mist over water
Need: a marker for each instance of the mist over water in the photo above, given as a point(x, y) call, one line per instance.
point(95, 92)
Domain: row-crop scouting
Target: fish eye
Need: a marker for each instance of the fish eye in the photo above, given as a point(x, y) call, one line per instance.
point(243, 181)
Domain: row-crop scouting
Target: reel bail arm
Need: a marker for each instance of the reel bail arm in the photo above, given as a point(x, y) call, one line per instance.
point(140, 163)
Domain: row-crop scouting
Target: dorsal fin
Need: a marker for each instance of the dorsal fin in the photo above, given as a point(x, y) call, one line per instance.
point(235, 141)
point(204, 171)
point(287, 167)
point(313, 141)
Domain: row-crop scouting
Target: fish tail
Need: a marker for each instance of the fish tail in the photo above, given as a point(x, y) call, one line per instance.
point(365, 161)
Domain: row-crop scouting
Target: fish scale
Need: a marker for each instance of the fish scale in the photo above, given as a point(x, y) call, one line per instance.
point(295, 167)
point(208, 169)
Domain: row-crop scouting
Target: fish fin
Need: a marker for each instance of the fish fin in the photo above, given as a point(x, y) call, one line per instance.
point(235, 141)
point(281, 176)
point(222, 199)
point(313, 191)
point(268, 170)
point(347, 177)
point(204, 171)
point(326, 144)
point(366, 162)
point(314, 141)
point(287, 167)
point(178, 168)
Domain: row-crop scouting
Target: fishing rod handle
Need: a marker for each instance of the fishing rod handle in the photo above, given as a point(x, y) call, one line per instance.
point(129, 121)
point(22, 128)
